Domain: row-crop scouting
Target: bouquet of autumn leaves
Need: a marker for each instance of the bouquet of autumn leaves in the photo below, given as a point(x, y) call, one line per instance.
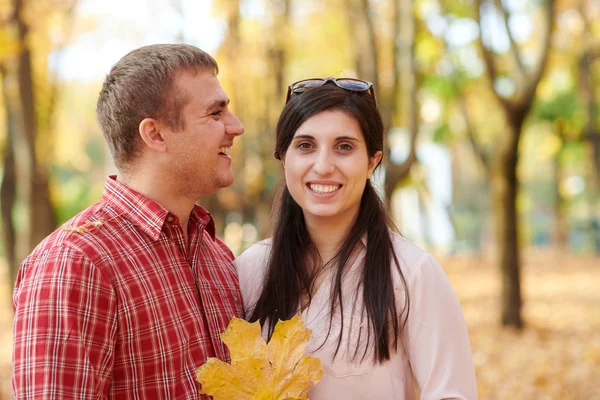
point(260, 371)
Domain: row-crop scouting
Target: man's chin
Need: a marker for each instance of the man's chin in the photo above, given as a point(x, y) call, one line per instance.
point(225, 181)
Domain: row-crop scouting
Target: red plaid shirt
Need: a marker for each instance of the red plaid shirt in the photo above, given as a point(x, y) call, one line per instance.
point(113, 306)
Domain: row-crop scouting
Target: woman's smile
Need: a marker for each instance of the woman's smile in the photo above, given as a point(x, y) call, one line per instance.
point(324, 189)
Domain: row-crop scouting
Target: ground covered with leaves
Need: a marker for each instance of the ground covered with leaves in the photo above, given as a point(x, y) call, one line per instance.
point(556, 356)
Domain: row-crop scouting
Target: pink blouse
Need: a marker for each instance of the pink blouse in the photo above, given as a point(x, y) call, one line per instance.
point(435, 359)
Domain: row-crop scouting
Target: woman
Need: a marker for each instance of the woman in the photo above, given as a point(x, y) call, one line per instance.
point(385, 320)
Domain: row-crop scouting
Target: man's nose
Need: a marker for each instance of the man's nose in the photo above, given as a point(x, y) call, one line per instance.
point(234, 126)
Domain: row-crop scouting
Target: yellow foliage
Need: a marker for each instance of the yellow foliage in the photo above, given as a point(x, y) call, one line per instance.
point(557, 355)
point(261, 371)
point(86, 226)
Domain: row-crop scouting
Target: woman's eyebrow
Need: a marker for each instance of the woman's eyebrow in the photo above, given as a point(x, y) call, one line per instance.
point(303, 137)
point(347, 138)
point(307, 136)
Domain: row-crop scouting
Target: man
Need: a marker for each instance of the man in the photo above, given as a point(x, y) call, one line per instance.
point(129, 297)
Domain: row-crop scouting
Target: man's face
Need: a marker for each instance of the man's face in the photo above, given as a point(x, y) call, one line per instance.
point(198, 154)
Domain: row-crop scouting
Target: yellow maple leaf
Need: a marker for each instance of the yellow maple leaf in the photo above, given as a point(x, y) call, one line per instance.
point(260, 371)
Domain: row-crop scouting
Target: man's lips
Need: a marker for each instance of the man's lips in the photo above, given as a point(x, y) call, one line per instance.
point(224, 150)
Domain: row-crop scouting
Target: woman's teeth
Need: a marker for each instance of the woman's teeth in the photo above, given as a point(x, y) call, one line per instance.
point(323, 188)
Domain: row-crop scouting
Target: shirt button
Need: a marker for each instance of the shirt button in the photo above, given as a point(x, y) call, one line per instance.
point(170, 218)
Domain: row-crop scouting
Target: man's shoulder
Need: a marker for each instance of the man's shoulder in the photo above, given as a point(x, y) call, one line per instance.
point(85, 233)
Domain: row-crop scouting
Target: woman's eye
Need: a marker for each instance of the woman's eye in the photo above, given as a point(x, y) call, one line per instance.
point(303, 145)
point(345, 146)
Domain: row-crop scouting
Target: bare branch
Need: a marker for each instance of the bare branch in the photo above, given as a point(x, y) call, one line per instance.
point(368, 17)
point(591, 48)
point(470, 130)
point(480, 153)
point(395, 63)
point(395, 173)
point(534, 78)
point(406, 73)
point(513, 45)
point(489, 59)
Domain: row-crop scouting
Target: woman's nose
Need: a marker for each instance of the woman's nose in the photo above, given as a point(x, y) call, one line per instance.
point(324, 163)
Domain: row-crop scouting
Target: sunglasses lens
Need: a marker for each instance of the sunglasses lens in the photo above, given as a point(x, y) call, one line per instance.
point(352, 84)
point(303, 86)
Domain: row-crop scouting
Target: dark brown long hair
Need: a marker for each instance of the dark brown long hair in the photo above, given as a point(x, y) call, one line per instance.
point(289, 273)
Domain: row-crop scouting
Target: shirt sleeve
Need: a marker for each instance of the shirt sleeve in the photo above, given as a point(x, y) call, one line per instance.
point(64, 328)
point(438, 341)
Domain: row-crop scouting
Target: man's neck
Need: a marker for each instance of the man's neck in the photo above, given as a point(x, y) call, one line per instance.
point(156, 188)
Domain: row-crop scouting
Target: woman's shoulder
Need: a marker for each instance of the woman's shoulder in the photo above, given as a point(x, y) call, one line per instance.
point(251, 267)
point(410, 252)
point(253, 254)
point(414, 260)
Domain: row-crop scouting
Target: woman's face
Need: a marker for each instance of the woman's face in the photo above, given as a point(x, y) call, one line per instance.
point(327, 167)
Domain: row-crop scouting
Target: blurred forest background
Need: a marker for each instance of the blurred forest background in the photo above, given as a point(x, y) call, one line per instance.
point(491, 113)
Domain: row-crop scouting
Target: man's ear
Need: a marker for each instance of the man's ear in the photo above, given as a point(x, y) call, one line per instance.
point(150, 133)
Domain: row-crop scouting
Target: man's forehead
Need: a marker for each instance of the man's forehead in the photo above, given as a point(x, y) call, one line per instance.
point(206, 91)
point(213, 94)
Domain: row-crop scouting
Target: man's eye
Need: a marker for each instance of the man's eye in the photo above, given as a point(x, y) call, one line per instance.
point(216, 113)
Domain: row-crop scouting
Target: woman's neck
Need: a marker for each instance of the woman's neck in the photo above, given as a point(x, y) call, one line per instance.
point(327, 235)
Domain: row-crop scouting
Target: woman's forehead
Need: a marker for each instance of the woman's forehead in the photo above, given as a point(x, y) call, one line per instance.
point(331, 123)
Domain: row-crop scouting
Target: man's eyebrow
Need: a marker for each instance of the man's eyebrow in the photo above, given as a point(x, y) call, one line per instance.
point(216, 104)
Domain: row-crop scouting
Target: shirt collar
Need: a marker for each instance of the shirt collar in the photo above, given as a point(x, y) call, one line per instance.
point(201, 216)
point(146, 213)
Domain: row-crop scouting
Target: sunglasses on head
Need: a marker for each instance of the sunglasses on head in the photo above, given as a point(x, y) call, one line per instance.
point(350, 84)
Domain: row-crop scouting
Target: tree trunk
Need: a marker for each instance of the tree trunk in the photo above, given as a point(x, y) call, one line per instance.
point(505, 187)
point(559, 234)
point(282, 10)
point(505, 181)
point(404, 56)
point(42, 218)
point(8, 188)
point(364, 41)
point(587, 86)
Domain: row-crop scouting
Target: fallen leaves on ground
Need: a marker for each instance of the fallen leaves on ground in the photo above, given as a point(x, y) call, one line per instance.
point(261, 371)
point(557, 354)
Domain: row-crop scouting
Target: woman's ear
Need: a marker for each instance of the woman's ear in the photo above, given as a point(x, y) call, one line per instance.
point(374, 162)
point(151, 134)
point(282, 159)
